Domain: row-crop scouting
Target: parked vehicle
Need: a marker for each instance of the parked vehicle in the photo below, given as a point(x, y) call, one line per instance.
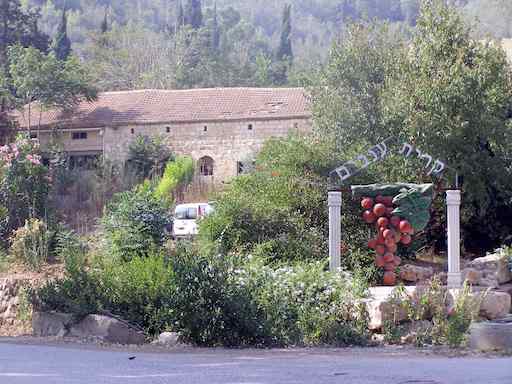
point(186, 218)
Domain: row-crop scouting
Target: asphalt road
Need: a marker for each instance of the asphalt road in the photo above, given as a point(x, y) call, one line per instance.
point(70, 364)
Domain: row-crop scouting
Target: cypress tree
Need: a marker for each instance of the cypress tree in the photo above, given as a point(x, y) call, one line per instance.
point(180, 17)
point(215, 29)
point(62, 45)
point(104, 23)
point(194, 14)
point(285, 52)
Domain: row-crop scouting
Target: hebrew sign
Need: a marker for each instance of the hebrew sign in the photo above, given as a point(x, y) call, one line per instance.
point(434, 167)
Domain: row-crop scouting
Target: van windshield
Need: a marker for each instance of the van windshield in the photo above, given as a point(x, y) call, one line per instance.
point(184, 213)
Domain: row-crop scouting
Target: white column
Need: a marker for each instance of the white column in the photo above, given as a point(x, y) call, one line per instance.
point(453, 207)
point(334, 203)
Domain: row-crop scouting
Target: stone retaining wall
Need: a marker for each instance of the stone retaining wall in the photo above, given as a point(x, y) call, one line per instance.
point(10, 325)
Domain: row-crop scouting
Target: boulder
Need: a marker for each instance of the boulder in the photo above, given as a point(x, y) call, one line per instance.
point(381, 310)
point(494, 269)
point(108, 329)
point(414, 273)
point(472, 275)
point(169, 339)
point(506, 288)
point(51, 323)
point(491, 336)
point(495, 305)
point(414, 331)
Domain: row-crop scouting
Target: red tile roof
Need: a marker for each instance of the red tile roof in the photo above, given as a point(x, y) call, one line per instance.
point(154, 106)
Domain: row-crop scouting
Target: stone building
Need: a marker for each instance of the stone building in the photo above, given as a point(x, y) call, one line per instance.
point(220, 127)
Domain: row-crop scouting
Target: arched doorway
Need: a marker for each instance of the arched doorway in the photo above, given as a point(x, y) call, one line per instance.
point(206, 166)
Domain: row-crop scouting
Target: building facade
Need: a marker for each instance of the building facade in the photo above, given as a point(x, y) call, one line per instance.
point(220, 128)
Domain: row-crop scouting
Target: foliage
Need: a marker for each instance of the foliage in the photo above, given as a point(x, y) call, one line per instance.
point(437, 92)
point(177, 175)
point(450, 314)
point(61, 44)
point(41, 78)
point(134, 223)
point(214, 299)
point(24, 185)
point(147, 156)
point(274, 210)
point(31, 243)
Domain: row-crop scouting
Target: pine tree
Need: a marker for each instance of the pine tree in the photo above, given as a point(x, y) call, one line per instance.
point(61, 44)
point(215, 29)
point(285, 52)
point(194, 14)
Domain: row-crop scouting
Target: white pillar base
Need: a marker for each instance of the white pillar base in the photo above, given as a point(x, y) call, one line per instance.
point(454, 280)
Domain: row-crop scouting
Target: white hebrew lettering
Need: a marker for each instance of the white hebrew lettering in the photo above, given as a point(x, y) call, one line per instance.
point(364, 160)
point(428, 157)
point(406, 150)
point(438, 167)
point(343, 173)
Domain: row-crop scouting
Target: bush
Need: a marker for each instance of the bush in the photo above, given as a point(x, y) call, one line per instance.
point(276, 210)
point(31, 243)
point(213, 299)
point(24, 185)
point(147, 156)
point(177, 175)
point(135, 223)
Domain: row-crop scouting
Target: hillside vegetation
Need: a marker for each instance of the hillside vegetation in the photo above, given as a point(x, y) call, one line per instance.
point(141, 43)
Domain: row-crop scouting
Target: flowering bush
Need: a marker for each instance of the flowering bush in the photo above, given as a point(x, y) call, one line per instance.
point(24, 185)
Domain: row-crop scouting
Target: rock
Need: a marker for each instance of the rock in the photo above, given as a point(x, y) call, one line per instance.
point(415, 273)
point(51, 323)
point(507, 288)
point(107, 329)
point(381, 310)
point(472, 275)
point(491, 336)
point(495, 305)
point(494, 269)
point(414, 330)
point(169, 339)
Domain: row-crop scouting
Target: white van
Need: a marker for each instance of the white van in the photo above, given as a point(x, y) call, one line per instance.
point(186, 217)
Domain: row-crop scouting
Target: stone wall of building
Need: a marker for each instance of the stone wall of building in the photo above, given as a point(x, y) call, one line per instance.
point(227, 143)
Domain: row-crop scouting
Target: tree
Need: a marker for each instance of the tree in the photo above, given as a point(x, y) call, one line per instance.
point(215, 30)
point(285, 52)
point(194, 14)
point(104, 27)
point(454, 100)
point(180, 17)
point(61, 44)
point(446, 92)
point(16, 26)
point(41, 80)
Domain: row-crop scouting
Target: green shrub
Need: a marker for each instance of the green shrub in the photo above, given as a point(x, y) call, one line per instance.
point(177, 175)
point(135, 223)
point(212, 299)
point(31, 243)
point(277, 209)
point(147, 156)
point(141, 291)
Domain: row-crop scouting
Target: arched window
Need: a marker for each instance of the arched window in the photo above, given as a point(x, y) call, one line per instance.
point(206, 166)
